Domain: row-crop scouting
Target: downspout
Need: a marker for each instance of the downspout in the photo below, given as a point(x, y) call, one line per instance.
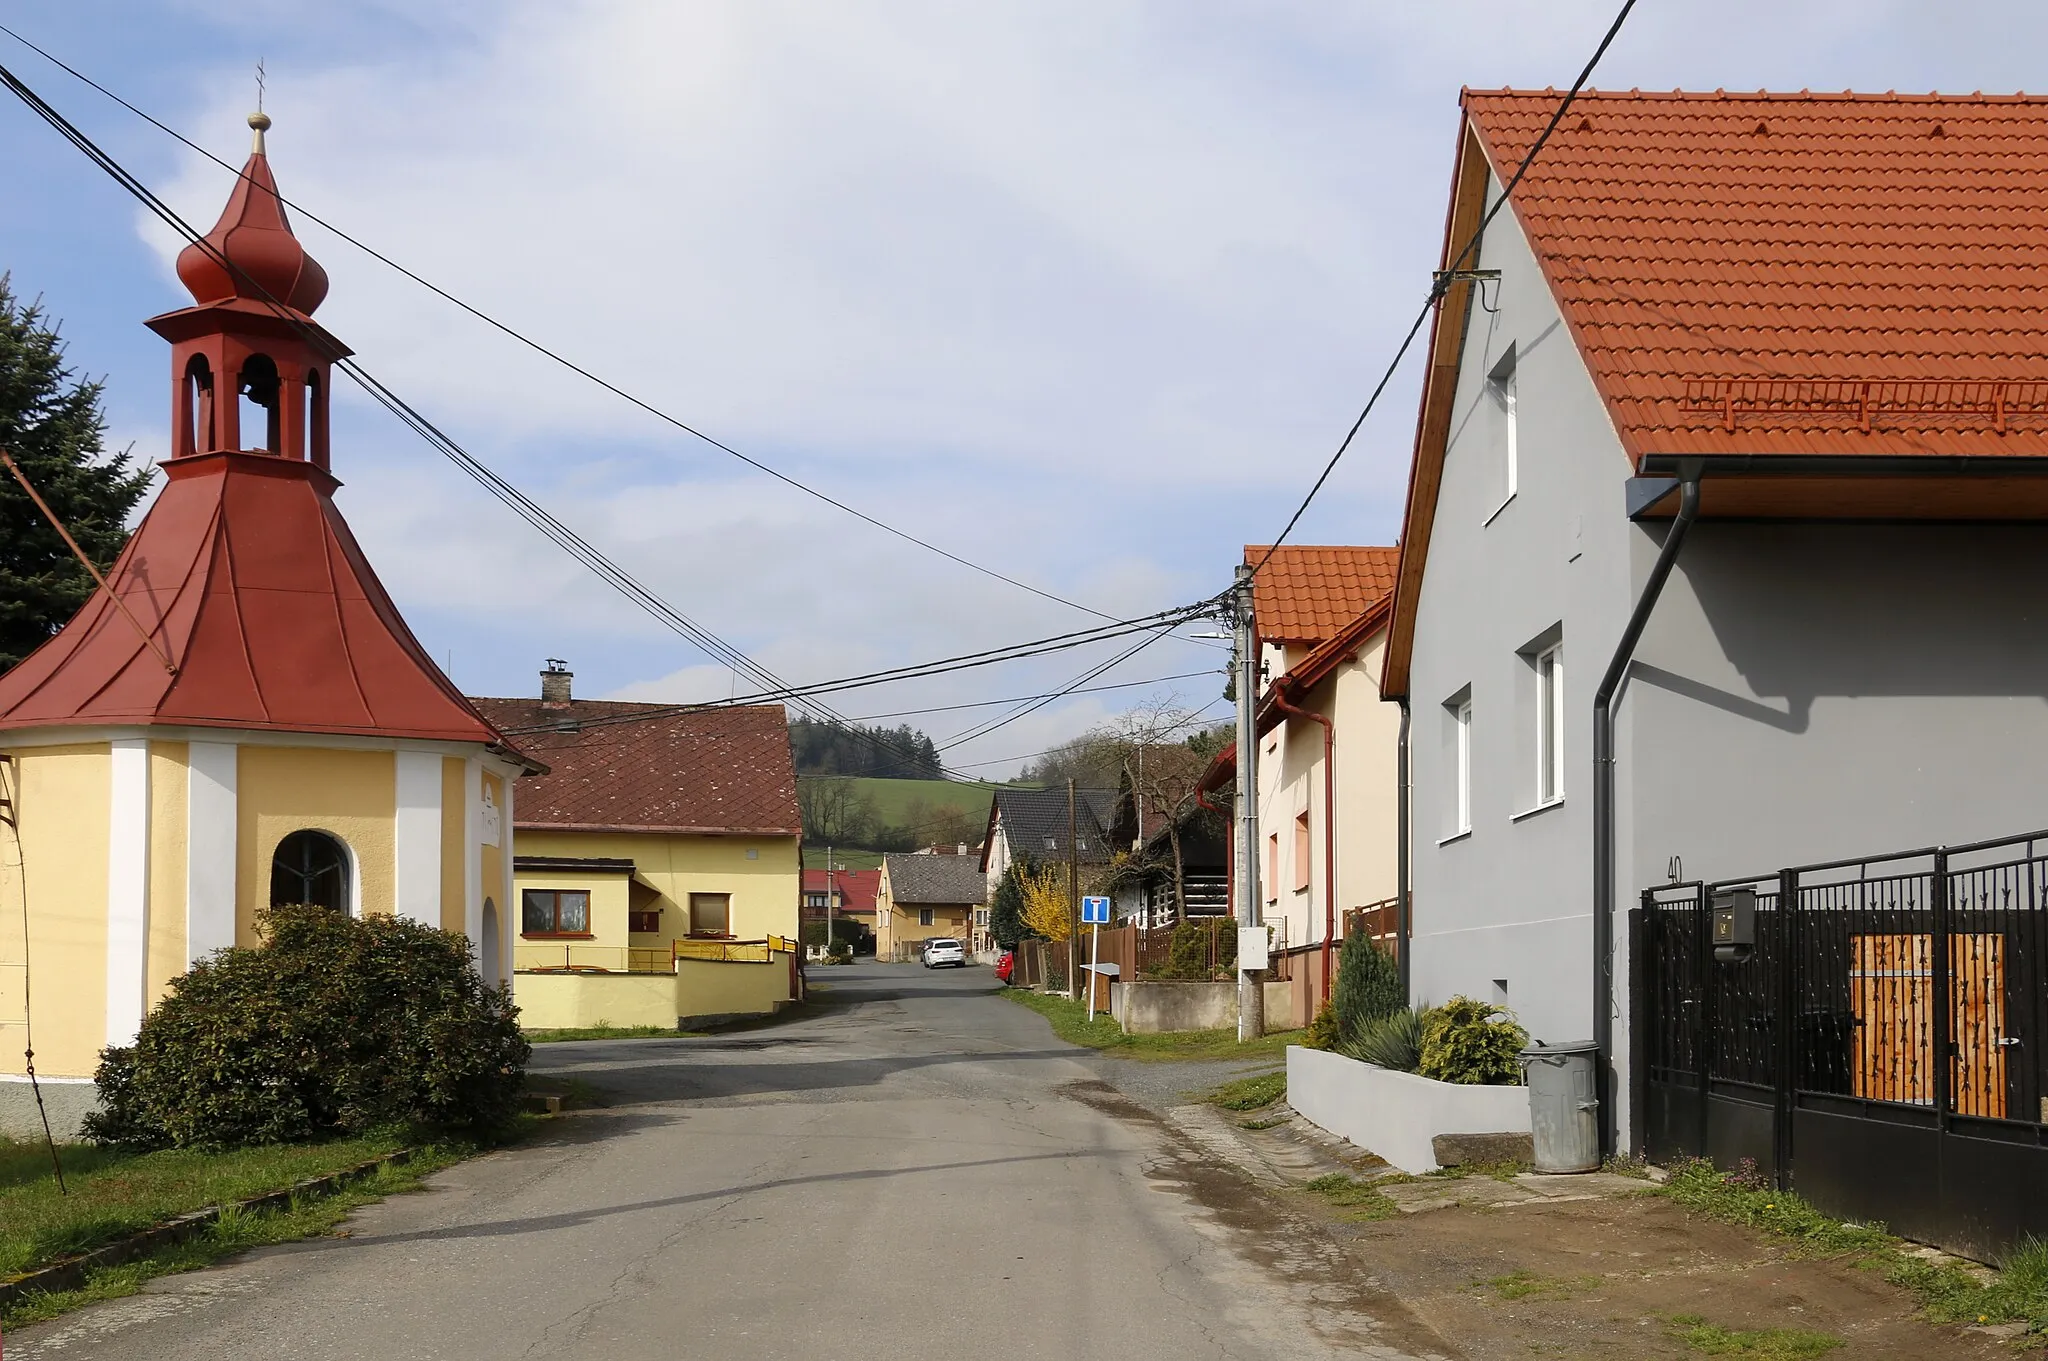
point(1329, 823)
point(1603, 797)
point(1403, 797)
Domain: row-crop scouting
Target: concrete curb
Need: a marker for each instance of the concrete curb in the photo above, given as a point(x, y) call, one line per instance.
point(70, 1273)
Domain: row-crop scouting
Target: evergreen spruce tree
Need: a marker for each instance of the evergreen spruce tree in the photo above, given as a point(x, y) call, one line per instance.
point(1006, 909)
point(1367, 988)
point(50, 422)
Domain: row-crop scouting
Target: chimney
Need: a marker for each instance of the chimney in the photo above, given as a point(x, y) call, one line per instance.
point(554, 684)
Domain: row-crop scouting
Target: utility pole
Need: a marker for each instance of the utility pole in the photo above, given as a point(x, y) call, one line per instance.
point(828, 900)
point(1251, 997)
point(1073, 897)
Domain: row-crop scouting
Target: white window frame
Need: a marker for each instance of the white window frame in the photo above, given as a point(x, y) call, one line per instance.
point(1464, 772)
point(1500, 385)
point(1550, 725)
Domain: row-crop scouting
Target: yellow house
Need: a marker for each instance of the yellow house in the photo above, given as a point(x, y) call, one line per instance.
point(924, 897)
point(658, 871)
point(241, 718)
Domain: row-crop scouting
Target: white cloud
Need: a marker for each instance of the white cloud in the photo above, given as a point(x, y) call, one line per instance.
point(1086, 290)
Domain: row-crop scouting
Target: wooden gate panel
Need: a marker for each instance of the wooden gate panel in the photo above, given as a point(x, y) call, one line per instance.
point(1891, 992)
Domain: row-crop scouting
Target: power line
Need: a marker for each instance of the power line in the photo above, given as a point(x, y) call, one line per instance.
point(1034, 755)
point(1019, 699)
point(1445, 278)
point(528, 509)
point(567, 363)
point(944, 666)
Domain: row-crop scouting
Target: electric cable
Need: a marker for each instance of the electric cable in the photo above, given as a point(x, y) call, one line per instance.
point(1444, 279)
point(558, 358)
point(1019, 699)
point(529, 510)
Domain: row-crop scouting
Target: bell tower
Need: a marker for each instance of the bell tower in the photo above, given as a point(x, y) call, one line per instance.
point(249, 365)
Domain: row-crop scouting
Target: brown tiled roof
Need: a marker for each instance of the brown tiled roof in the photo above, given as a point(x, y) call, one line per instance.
point(720, 771)
point(1306, 593)
point(1794, 273)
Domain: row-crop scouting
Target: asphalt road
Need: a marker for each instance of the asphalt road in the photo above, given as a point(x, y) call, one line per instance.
point(916, 1170)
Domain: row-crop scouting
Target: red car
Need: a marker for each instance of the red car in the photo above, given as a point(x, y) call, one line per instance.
point(1004, 966)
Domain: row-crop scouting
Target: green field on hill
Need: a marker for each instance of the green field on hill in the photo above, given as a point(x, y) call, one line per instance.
point(896, 803)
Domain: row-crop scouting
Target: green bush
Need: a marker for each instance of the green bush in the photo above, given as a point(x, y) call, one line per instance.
point(1322, 1031)
point(1006, 909)
point(1368, 987)
point(331, 1027)
point(1391, 1042)
point(1473, 1043)
point(1187, 956)
point(856, 935)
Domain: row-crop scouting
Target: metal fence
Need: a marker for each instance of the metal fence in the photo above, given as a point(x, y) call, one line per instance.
point(1873, 1033)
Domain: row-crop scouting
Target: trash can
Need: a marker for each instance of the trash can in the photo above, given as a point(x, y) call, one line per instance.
point(1564, 1112)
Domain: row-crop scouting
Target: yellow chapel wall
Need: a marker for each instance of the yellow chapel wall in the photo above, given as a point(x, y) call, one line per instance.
point(63, 795)
point(493, 885)
point(352, 795)
point(169, 793)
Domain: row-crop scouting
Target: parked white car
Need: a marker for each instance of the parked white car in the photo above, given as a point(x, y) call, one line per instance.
point(939, 952)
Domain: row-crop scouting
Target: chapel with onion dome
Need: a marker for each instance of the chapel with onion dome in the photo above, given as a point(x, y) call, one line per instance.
point(242, 717)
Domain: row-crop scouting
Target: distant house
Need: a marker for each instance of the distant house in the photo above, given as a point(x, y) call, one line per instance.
point(926, 896)
point(1723, 553)
point(662, 846)
point(1030, 826)
point(848, 894)
point(1176, 845)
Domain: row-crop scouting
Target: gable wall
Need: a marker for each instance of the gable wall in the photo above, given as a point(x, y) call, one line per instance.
point(1511, 900)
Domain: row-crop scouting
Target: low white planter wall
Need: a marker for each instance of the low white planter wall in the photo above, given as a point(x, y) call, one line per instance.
point(1396, 1115)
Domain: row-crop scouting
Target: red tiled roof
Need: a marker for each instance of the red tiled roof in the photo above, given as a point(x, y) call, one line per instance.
point(857, 888)
point(1305, 594)
point(250, 582)
point(718, 771)
point(1795, 273)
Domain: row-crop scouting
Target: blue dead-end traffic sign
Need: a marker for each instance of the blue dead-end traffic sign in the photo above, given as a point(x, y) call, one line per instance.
point(1095, 912)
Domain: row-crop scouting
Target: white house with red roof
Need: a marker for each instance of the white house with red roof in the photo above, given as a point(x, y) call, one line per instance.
point(242, 718)
point(1327, 757)
point(1723, 553)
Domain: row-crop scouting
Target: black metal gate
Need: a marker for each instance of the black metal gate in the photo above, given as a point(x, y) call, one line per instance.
point(1889, 1088)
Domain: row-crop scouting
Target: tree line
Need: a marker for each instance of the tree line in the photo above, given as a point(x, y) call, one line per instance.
point(900, 753)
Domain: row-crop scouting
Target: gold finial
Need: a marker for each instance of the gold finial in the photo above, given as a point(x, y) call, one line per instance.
point(261, 122)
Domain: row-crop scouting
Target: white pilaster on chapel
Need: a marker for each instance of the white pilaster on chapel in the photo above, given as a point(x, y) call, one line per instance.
point(127, 889)
point(418, 837)
point(213, 815)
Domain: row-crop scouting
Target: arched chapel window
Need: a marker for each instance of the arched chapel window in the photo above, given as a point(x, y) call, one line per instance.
point(199, 404)
point(260, 390)
point(310, 867)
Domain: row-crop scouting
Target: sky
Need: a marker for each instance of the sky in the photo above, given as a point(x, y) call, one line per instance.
point(1084, 291)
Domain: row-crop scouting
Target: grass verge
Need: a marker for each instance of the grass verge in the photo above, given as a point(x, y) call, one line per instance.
point(1948, 1293)
point(1250, 1093)
point(111, 1192)
point(1764, 1344)
point(1359, 1200)
point(608, 1032)
point(1070, 1022)
point(1534, 1285)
